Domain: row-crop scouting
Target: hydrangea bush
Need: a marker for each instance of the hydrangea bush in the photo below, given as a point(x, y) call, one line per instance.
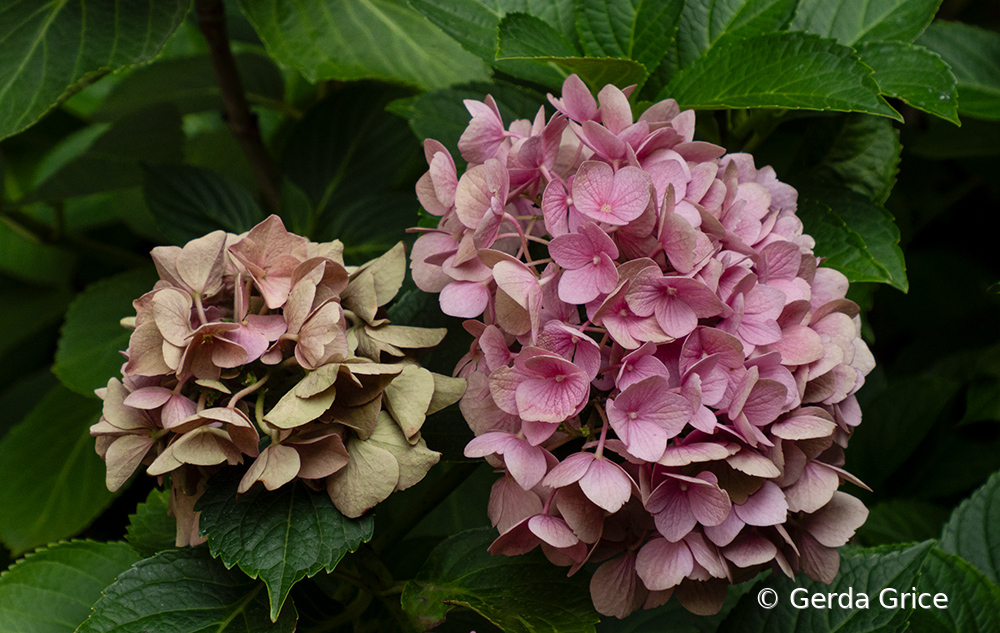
point(663, 371)
point(265, 348)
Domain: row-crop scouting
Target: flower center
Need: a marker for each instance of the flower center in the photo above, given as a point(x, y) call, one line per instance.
point(605, 208)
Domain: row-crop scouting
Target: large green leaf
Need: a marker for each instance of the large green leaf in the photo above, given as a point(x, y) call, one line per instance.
point(281, 536)
point(779, 70)
point(24, 257)
point(630, 29)
point(519, 594)
point(189, 202)
point(361, 39)
point(900, 416)
point(901, 520)
point(191, 85)
point(52, 49)
point(915, 75)
point(107, 158)
point(532, 49)
point(89, 351)
point(28, 310)
point(875, 21)
point(973, 531)
point(856, 236)
point(972, 54)
point(151, 529)
point(52, 589)
point(53, 479)
point(473, 23)
point(973, 601)
point(704, 23)
point(336, 155)
point(852, 151)
point(863, 571)
point(185, 591)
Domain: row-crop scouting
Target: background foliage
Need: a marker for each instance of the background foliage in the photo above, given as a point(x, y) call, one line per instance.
point(113, 142)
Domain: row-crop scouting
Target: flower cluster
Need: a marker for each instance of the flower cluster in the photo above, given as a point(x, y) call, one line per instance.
point(661, 370)
point(264, 345)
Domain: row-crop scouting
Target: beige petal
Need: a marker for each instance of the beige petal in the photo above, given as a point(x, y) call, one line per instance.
point(123, 456)
point(276, 466)
point(447, 391)
point(406, 336)
point(322, 456)
point(292, 411)
point(408, 396)
point(414, 460)
point(316, 381)
point(369, 477)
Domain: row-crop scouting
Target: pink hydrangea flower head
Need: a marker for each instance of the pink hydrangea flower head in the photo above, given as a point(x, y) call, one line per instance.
point(663, 371)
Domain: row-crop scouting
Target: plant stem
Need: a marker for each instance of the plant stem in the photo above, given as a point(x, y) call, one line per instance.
point(242, 123)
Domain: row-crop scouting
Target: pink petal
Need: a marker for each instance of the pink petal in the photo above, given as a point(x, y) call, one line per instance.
point(464, 299)
point(662, 564)
point(552, 530)
point(148, 398)
point(571, 470)
point(606, 484)
point(750, 549)
point(765, 507)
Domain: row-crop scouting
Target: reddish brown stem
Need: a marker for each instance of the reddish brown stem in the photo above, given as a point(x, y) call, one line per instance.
point(242, 122)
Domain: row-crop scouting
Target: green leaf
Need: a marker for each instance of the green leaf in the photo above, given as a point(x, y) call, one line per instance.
point(361, 39)
point(28, 310)
point(901, 417)
point(517, 593)
point(973, 531)
point(473, 23)
point(779, 70)
point(982, 400)
point(151, 529)
point(189, 202)
point(864, 571)
point(336, 156)
point(973, 601)
point(190, 84)
point(972, 54)
point(629, 29)
point(280, 536)
point(89, 351)
point(856, 236)
point(533, 50)
point(53, 479)
point(87, 163)
point(704, 23)
point(24, 257)
point(184, 591)
point(915, 75)
point(71, 44)
point(901, 520)
point(875, 21)
point(51, 590)
point(853, 151)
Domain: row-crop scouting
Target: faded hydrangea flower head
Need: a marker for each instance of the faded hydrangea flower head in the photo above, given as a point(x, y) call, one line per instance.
point(662, 372)
point(264, 348)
